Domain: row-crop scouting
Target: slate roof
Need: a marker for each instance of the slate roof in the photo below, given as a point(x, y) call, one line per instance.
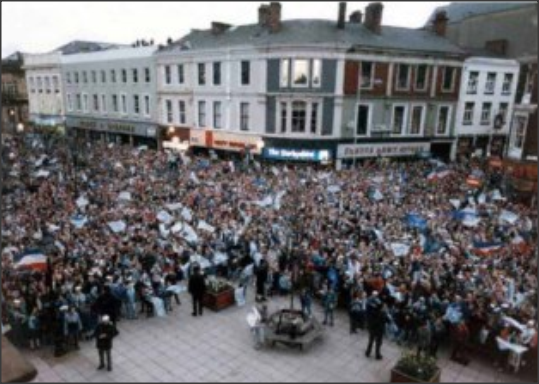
point(78, 46)
point(456, 12)
point(308, 31)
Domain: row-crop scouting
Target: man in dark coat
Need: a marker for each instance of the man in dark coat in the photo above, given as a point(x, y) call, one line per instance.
point(262, 273)
point(104, 334)
point(106, 304)
point(377, 318)
point(197, 288)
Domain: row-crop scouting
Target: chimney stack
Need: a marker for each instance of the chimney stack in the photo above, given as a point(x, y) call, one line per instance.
point(263, 15)
point(218, 28)
point(341, 23)
point(373, 17)
point(274, 17)
point(440, 23)
point(356, 17)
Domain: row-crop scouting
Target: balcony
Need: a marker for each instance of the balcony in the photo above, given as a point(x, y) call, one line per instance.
point(13, 97)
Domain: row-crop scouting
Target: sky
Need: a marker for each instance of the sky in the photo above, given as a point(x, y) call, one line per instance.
point(38, 27)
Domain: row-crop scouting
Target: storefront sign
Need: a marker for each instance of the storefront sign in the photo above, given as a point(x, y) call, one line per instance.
point(382, 150)
point(297, 154)
point(113, 127)
point(225, 141)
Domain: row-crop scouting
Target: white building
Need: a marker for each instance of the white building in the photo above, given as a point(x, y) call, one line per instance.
point(110, 95)
point(45, 90)
point(486, 102)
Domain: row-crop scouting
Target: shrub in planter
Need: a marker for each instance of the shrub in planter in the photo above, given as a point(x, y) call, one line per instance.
point(416, 369)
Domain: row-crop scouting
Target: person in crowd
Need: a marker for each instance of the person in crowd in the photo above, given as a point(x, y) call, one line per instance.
point(197, 288)
point(104, 335)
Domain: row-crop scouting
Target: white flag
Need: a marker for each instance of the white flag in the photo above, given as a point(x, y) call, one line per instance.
point(117, 226)
point(205, 226)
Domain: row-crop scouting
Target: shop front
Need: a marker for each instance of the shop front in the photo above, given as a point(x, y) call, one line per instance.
point(226, 142)
point(111, 131)
point(347, 152)
point(322, 156)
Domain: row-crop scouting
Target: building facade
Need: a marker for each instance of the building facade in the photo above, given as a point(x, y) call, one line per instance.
point(14, 94)
point(110, 95)
point(486, 102)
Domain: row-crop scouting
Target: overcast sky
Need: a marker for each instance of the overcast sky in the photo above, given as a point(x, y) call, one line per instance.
point(36, 27)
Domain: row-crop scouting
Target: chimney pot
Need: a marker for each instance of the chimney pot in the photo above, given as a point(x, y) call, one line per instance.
point(440, 23)
point(373, 17)
point(263, 15)
point(341, 22)
point(274, 19)
point(356, 17)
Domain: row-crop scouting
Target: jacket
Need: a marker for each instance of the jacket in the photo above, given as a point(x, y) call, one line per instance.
point(197, 285)
point(104, 333)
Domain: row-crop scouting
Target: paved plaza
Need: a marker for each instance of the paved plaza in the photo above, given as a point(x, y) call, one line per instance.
point(218, 347)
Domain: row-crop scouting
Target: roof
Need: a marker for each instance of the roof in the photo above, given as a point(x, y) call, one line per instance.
point(458, 11)
point(120, 53)
point(307, 32)
point(78, 46)
point(14, 57)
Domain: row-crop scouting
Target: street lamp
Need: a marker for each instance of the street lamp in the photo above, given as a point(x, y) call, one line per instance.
point(20, 128)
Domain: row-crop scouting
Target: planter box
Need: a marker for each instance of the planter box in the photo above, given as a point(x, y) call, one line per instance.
point(399, 377)
point(220, 301)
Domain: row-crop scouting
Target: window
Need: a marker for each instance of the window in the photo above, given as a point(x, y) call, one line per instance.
point(96, 103)
point(421, 77)
point(285, 73)
point(403, 77)
point(201, 113)
point(399, 119)
point(245, 72)
point(76, 77)
point(85, 77)
point(56, 84)
point(69, 103)
point(147, 75)
point(244, 116)
point(124, 75)
point(182, 114)
point(103, 77)
point(301, 73)
point(135, 75)
point(367, 75)
point(112, 75)
point(181, 74)
point(104, 103)
point(448, 81)
point(472, 83)
point(201, 74)
point(79, 102)
point(169, 112)
point(68, 77)
point(502, 111)
point(507, 84)
point(40, 85)
point(136, 104)
point(48, 84)
point(85, 103)
point(124, 104)
point(442, 124)
point(314, 118)
point(284, 117)
point(94, 77)
point(299, 116)
point(491, 84)
point(416, 121)
point(468, 113)
point(217, 73)
point(147, 105)
point(217, 116)
point(520, 131)
point(168, 75)
point(486, 113)
point(362, 120)
point(317, 73)
point(115, 103)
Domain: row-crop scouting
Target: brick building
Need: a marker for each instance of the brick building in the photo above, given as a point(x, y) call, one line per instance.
point(14, 93)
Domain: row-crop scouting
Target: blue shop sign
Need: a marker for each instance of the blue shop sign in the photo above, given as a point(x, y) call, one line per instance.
point(297, 154)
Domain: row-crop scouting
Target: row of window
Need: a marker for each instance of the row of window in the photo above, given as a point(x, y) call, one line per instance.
point(44, 84)
point(176, 74)
point(486, 113)
point(490, 83)
point(113, 76)
point(202, 122)
point(100, 104)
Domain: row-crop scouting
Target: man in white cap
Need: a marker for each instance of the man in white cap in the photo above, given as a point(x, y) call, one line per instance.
point(104, 334)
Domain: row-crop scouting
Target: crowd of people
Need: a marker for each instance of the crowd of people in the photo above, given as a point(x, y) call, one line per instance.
point(123, 228)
